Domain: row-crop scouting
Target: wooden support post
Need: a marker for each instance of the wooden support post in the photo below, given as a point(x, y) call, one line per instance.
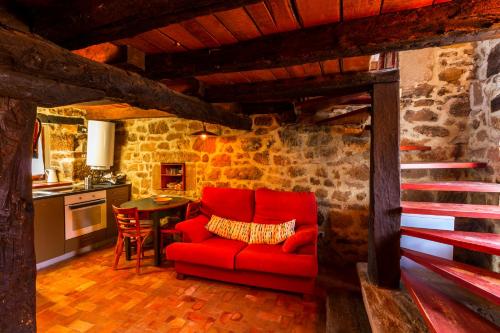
point(385, 178)
point(17, 253)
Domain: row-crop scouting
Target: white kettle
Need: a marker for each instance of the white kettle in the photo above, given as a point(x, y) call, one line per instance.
point(51, 175)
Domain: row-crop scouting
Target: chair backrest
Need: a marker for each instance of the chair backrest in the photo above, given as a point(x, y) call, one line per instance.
point(127, 221)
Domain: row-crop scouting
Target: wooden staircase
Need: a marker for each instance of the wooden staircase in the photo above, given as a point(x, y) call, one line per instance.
point(441, 312)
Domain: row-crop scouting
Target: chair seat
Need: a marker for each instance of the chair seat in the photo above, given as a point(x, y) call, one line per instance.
point(144, 232)
point(214, 252)
point(272, 259)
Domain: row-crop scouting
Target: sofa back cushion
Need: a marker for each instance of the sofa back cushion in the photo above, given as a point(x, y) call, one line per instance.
point(278, 207)
point(230, 203)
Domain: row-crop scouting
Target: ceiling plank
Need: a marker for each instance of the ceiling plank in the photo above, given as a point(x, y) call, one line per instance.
point(31, 55)
point(120, 112)
point(77, 24)
point(443, 24)
point(337, 84)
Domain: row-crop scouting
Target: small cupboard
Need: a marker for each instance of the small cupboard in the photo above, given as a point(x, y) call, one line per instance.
point(173, 176)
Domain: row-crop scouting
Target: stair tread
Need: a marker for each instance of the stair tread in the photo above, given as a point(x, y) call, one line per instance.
point(414, 148)
point(388, 310)
point(451, 209)
point(442, 313)
point(455, 186)
point(483, 282)
point(442, 165)
point(475, 241)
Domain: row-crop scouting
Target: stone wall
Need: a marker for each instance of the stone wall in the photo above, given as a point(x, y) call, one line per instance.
point(435, 111)
point(321, 159)
point(483, 132)
point(66, 145)
point(435, 86)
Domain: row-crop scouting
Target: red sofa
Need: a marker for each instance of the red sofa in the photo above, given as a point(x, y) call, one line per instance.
point(207, 255)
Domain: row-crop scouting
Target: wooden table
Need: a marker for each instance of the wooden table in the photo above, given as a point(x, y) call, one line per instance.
point(156, 211)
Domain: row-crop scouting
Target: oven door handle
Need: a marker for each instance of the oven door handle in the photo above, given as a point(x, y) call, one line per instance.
point(87, 204)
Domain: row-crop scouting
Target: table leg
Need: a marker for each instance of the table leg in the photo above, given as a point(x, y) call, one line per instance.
point(156, 238)
point(128, 252)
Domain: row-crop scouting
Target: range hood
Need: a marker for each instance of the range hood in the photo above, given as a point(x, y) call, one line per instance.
point(100, 144)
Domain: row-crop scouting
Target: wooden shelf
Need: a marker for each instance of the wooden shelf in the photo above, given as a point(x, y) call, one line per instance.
point(475, 241)
point(173, 173)
point(442, 165)
point(453, 186)
point(451, 209)
point(440, 312)
point(414, 148)
point(482, 282)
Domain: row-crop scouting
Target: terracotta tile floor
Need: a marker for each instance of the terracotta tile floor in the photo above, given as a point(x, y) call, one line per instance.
point(86, 295)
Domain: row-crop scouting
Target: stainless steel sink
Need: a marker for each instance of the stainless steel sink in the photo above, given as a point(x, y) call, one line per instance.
point(38, 194)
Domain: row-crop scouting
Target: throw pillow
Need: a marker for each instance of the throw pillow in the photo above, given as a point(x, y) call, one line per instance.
point(230, 229)
point(271, 233)
point(300, 238)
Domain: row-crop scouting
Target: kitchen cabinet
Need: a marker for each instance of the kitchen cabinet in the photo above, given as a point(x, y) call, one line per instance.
point(49, 228)
point(49, 223)
point(115, 197)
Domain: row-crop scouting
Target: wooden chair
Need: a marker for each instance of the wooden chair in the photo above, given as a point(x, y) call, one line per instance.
point(129, 225)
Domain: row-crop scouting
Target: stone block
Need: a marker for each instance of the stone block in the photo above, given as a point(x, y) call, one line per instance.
point(422, 115)
point(451, 75)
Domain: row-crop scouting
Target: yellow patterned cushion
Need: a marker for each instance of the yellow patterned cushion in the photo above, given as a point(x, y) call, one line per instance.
point(230, 229)
point(271, 233)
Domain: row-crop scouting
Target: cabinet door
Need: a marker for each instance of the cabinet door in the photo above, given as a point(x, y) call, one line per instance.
point(115, 196)
point(49, 228)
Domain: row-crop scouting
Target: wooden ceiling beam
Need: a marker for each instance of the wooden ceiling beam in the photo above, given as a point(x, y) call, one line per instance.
point(332, 85)
point(443, 24)
point(81, 23)
point(321, 103)
point(28, 54)
point(122, 56)
point(356, 117)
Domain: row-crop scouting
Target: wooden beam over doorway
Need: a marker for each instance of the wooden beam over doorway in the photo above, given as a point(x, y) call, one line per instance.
point(332, 85)
point(31, 55)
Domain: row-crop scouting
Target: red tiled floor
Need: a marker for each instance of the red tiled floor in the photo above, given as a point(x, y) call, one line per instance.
point(86, 295)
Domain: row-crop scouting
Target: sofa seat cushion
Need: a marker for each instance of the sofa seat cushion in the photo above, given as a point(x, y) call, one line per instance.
point(278, 207)
point(272, 259)
point(215, 252)
point(230, 203)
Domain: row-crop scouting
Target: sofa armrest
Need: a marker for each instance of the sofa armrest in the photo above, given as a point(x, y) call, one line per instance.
point(193, 209)
point(304, 241)
point(193, 230)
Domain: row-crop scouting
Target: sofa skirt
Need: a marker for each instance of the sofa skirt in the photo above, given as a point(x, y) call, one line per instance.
point(258, 279)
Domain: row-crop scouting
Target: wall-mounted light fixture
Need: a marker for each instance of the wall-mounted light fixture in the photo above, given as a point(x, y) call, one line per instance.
point(203, 134)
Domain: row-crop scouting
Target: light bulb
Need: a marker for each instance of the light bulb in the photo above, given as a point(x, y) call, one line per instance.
point(203, 136)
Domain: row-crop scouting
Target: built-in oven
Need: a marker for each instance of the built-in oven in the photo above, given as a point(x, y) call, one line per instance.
point(84, 213)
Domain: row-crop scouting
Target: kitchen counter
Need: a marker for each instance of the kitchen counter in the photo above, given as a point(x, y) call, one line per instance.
point(51, 192)
point(51, 221)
